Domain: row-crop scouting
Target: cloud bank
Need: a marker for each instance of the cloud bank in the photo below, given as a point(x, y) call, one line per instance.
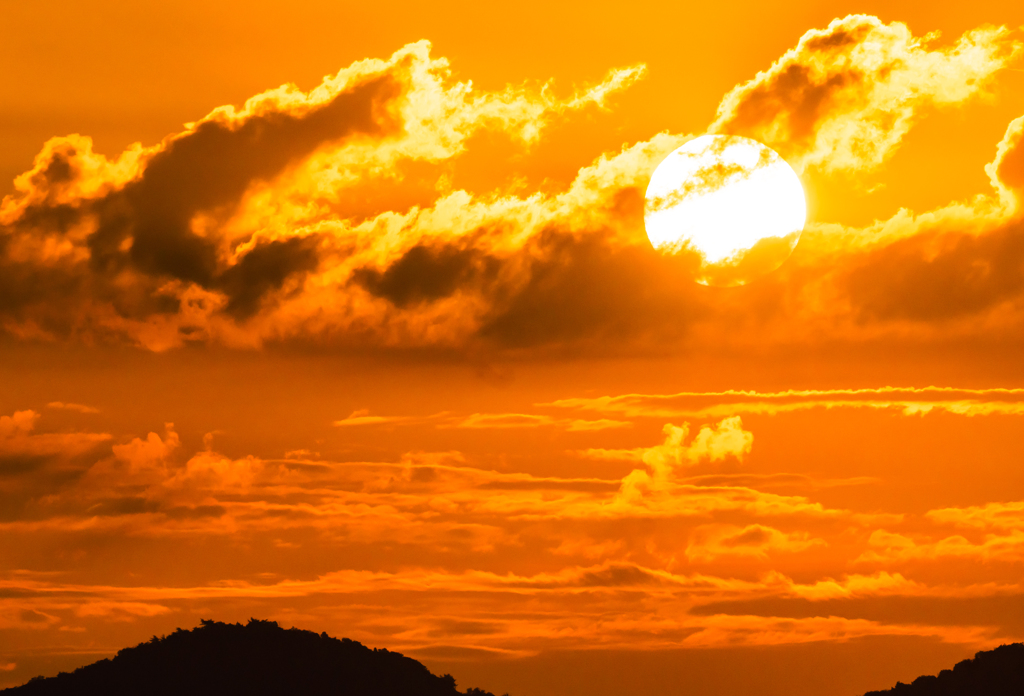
point(687, 547)
point(330, 216)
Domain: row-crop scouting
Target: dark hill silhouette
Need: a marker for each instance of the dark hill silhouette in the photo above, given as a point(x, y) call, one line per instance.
point(258, 659)
point(998, 672)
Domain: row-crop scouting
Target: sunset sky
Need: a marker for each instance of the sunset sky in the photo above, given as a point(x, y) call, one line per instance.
point(345, 316)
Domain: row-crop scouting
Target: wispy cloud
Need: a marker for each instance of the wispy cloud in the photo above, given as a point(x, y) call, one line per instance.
point(80, 408)
point(910, 401)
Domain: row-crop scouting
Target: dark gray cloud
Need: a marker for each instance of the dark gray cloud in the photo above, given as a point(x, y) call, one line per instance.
point(211, 168)
point(425, 274)
point(586, 288)
point(144, 237)
point(264, 269)
point(940, 275)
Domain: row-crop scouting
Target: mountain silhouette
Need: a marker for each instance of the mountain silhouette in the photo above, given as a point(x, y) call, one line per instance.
point(257, 659)
point(998, 672)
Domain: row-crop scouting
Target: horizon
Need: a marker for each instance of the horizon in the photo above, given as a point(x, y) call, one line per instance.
point(350, 318)
point(262, 657)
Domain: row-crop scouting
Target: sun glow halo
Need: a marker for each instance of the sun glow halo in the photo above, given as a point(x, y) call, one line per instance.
point(731, 199)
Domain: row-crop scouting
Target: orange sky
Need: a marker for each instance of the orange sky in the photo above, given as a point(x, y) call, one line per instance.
point(387, 353)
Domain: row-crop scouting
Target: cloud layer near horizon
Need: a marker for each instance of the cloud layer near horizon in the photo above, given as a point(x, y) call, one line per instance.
point(679, 541)
point(342, 216)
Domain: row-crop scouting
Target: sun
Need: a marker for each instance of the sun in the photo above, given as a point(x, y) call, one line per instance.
point(733, 201)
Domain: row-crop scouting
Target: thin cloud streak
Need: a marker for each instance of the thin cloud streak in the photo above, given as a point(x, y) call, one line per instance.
point(1010, 402)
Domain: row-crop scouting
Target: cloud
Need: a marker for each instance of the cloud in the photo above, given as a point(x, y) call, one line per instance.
point(151, 454)
point(710, 542)
point(886, 546)
point(579, 425)
point(845, 96)
point(661, 556)
point(587, 548)
point(661, 489)
point(594, 579)
point(712, 443)
point(424, 274)
point(145, 230)
point(80, 408)
point(19, 424)
point(727, 439)
point(344, 217)
point(484, 421)
point(363, 417)
point(880, 583)
point(22, 618)
point(479, 421)
point(36, 461)
point(457, 605)
point(1009, 515)
point(119, 611)
point(194, 237)
point(504, 420)
point(940, 277)
point(150, 488)
point(910, 401)
point(996, 530)
point(1006, 171)
point(951, 270)
point(643, 486)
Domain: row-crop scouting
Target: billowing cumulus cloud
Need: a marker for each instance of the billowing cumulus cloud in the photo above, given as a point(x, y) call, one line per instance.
point(651, 486)
point(196, 236)
point(1007, 170)
point(951, 269)
point(338, 216)
point(845, 96)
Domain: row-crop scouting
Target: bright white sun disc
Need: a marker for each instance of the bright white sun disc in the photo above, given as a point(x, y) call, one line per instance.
point(731, 199)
